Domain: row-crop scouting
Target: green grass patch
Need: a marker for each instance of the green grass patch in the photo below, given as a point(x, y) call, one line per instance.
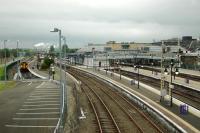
point(7, 85)
point(1, 72)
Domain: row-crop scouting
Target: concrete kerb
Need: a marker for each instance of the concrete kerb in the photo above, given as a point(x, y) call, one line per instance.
point(77, 83)
point(173, 124)
point(34, 73)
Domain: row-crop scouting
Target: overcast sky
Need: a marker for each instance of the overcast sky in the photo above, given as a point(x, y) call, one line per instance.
point(97, 21)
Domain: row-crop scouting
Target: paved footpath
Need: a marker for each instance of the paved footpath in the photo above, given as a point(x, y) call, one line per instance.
point(30, 107)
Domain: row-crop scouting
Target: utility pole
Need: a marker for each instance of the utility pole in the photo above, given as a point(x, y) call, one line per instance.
point(5, 73)
point(65, 82)
point(17, 58)
point(162, 79)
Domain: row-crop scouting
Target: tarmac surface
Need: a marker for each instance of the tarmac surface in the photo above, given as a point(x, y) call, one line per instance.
point(30, 107)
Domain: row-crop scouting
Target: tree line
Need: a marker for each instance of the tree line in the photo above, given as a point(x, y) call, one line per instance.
point(65, 48)
point(13, 52)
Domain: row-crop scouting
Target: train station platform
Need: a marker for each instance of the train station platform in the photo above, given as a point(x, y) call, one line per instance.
point(187, 71)
point(195, 85)
point(188, 122)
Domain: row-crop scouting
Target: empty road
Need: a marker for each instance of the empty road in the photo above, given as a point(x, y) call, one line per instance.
point(30, 107)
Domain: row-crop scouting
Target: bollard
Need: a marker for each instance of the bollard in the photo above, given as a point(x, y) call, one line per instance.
point(133, 82)
point(187, 81)
point(183, 109)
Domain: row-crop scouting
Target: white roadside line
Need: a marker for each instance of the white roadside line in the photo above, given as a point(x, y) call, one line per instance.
point(30, 126)
point(32, 99)
point(30, 119)
point(38, 113)
point(40, 85)
point(39, 109)
point(40, 105)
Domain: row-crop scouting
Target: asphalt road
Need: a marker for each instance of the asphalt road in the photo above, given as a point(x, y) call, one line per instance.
point(30, 107)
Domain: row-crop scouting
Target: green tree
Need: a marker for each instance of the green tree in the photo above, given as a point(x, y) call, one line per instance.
point(52, 51)
point(14, 52)
point(65, 48)
point(47, 62)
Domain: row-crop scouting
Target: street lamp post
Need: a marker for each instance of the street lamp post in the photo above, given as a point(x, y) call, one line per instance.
point(171, 86)
point(59, 40)
point(60, 56)
point(152, 62)
point(138, 74)
point(106, 63)
point(17, 57)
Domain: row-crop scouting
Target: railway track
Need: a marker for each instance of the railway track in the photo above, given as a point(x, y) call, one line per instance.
point(182, 75)
point(113, 111)
point(182, 93)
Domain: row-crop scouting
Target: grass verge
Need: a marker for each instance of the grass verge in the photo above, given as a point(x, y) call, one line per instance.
point(7, 85)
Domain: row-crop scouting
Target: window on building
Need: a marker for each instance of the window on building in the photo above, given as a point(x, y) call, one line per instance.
point(107, 49)
point(125, 46)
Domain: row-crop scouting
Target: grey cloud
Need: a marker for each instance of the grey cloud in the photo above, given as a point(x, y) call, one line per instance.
point(138, 20)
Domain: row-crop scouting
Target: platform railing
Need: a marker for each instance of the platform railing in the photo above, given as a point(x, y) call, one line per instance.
point(60, 123)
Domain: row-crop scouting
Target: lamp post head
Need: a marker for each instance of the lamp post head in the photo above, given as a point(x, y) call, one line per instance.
point(176, 71)
point(165, 71)
point(55, 30)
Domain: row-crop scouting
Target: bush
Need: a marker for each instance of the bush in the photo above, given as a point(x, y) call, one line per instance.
point(47, 62)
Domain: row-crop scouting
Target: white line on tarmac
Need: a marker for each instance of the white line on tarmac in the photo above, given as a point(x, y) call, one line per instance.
point(33, 99)
point(46, 92)
point(40, 85)
point(42, 102)
point(44, 96)
point(29, 84)
point(40, 109)
point(36, 93)
point(35, 119)
point(41, 105)
point(38, 113)
point(30, 126)
point(46, 89)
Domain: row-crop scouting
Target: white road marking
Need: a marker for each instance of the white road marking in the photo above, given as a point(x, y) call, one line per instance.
point(39, 109)
point(46, 89)
point(40, 85)
point(30, 126)
point(35, 119)
point(40, 105)
point(33, 99)
point(41, 102)
point(29, 84)
point(38, 113)
point(46, 92)
point(43, 93)
point(38, 96)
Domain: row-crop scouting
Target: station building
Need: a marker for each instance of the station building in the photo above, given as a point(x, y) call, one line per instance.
point(110, 53)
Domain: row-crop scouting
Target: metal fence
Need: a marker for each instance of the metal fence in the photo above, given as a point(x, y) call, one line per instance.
point(61, 120)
